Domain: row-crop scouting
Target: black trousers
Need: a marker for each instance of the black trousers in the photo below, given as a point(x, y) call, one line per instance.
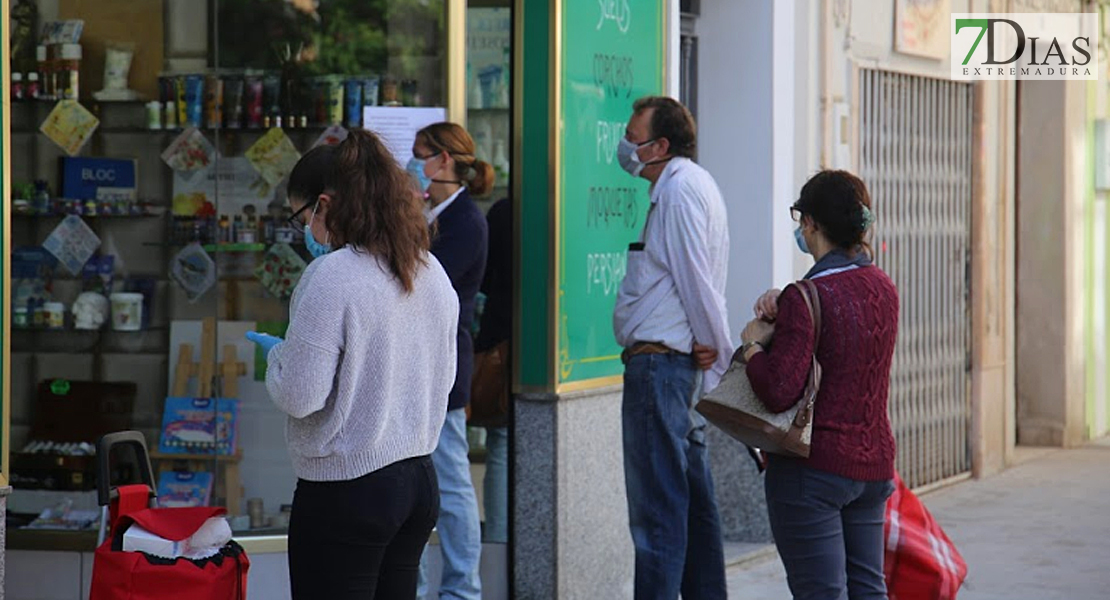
point(362, 538)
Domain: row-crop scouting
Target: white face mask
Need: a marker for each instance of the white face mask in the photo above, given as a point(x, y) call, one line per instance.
point(629, 158)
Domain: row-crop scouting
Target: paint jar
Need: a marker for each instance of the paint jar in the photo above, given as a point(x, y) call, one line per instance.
point(46, 67)
point(352, 100)
point(256, 513)
point(154, 115)
point(333, 95)
point(34, 91)
point(214, 101)
point(179, 100)
point(194, 101)
point(127, 311)
point(55, 315)
point(68, 69)
point(370, 85)
point(20, 317)
point(389, 92)
point(253, 104)
point(233, 102)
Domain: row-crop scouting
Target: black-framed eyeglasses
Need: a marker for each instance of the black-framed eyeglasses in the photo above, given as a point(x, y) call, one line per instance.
point(294, 220)
point(796, 213)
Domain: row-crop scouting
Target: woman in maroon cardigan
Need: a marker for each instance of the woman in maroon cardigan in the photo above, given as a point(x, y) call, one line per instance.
point(827, 511)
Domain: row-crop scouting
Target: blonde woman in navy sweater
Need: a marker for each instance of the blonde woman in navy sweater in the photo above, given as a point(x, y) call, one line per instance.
point(827, 511)
point(448, 172)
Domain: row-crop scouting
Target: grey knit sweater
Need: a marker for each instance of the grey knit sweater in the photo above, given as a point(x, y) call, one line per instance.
point(365, 369)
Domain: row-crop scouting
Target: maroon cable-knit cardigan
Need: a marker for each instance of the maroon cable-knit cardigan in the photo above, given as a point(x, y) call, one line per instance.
point(859, 312)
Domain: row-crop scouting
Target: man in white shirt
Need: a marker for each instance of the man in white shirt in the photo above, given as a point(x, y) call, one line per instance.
point(672, 322)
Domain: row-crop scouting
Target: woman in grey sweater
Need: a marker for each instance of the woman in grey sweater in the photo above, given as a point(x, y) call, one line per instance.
point(364, 374)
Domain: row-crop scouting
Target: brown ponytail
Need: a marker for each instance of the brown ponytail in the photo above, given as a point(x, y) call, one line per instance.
point(482, 181)
point(454, 140)
point(373, 208)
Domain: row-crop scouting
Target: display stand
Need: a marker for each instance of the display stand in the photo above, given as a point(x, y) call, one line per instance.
point(228, 484)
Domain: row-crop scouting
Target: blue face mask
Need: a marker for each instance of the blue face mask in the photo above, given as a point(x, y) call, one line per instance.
point(801, 240)
point(416, 169)
point(315, 248)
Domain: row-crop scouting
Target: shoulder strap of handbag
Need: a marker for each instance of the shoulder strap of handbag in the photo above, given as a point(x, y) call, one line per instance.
point(808, 290)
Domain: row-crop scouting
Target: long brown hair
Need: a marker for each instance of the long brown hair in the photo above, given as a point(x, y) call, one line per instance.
point(454, 140)
point(374, 209)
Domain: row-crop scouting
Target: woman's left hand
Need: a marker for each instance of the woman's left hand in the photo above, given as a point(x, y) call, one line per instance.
point(758, 330)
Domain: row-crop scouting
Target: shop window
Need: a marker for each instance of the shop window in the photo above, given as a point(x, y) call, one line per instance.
point(149, 233)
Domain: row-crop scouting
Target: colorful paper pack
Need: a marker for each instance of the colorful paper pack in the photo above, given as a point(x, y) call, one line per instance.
point(189, 152)
point(194, 271)
point(199, 426)
point(184, 489)
point(273, 156)
point(70, 126)
point(72, 242)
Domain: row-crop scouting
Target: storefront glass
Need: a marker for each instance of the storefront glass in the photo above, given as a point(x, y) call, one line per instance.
point(150, 231)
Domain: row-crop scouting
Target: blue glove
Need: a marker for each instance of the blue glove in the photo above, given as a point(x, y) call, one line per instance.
point(264, 341)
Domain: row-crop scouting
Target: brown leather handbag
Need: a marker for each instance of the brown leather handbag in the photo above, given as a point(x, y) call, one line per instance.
point(489, 388)
point(735, 408)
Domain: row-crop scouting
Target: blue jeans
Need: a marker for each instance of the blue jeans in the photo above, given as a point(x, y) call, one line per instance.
point(459, 526)
point(828, 529)
point(671, 507)
point(496, 485)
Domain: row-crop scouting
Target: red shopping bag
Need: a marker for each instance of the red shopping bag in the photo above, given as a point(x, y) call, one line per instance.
point(139, 576)
point(921, 563)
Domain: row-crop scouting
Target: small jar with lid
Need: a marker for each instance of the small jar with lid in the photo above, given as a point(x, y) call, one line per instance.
point(33, 90)
point(68, 70)
point(55, 315)
point(18, 91)
point(46, 68)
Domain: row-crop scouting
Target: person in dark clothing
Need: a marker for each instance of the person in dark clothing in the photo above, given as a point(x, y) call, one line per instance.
point(447, 171)
point(496, 326)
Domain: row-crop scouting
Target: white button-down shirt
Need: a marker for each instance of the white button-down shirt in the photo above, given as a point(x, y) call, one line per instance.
point(674, 290)
point(433, 213)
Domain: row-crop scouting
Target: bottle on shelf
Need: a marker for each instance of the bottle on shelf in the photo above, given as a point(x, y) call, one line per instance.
point(500, 162)
point(224, 234)
point(18, 92)
point(46, 67)
point(33, 92)
point(42, 198)
point(68, 72)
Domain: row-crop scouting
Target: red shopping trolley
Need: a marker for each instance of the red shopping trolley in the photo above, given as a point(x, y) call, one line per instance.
point(141, 576)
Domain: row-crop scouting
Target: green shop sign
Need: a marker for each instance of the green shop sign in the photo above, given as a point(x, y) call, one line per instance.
point(611, 53)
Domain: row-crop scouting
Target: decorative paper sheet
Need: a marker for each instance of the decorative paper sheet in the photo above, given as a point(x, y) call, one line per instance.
point(332, 136)
point(274, 156)
point(230, 182)
point(72, 242)
point(190, 152)
point(280, 270)
point(194, 271)
point(70, 126)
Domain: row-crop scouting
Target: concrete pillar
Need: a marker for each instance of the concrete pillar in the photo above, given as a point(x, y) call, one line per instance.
point(570, 521)
point(4, 492)
point(1050, 256)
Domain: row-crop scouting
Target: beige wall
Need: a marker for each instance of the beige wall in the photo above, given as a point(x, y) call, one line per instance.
point(1051, 385)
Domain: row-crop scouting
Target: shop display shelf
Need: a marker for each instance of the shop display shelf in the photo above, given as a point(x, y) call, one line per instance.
point(217, 248)
point(58, 216)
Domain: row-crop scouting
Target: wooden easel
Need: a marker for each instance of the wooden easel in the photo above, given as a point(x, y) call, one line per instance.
point(228, 484)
